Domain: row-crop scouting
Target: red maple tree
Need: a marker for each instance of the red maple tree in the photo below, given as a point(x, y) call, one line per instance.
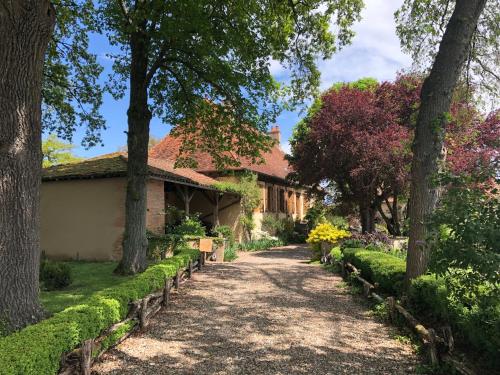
point(359, 140)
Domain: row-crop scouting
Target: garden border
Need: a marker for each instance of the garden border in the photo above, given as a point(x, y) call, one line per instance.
point(428, 336)
point(80, 360)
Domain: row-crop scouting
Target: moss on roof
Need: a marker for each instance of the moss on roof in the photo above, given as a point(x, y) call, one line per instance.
point(91, 168)
point(115, 165)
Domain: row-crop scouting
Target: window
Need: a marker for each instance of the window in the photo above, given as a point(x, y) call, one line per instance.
point(282, 200)
point(270, 200)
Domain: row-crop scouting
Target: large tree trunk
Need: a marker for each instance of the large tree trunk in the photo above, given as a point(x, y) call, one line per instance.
point(135, 242)
point(25, 30)
point(436, 98)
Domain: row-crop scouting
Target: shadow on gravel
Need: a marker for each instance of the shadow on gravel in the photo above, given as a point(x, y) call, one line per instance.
point(253, 318)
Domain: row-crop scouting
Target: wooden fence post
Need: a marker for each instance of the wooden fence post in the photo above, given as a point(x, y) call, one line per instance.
point(366, 290)
point(177, 280)
point(432, 347)
point(190, 269)
point(391, 304)
point(86, 356)
point(142, 316)
point(166, 292)
point(342, 269)
point(200, 261)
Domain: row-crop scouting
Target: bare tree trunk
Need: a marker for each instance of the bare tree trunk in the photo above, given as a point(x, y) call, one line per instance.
point(395, 215)
point(392, 222)
point(25, 30)
point(135, 242)
point(216, 221)
point(367, 216)
point(436, 98)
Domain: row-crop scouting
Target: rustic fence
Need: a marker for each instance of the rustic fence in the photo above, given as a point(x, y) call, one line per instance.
point(439, 348)
point(80, 360)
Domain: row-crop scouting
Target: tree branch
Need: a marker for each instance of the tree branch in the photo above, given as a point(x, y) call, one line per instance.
point(157, 63)
point(125, 12)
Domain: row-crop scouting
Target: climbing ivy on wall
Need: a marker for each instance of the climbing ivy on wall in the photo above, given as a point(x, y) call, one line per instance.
point(249, 191)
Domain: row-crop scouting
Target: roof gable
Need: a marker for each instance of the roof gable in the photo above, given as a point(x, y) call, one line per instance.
point(115, 165)
point(274, 164)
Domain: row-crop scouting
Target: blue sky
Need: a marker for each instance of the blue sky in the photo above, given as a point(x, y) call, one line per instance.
point(374, 52)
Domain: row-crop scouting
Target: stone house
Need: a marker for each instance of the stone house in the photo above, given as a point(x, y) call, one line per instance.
point(280, 198)
point(83, 204)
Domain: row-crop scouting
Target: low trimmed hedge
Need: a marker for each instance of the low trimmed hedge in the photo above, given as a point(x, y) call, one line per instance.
point(427, 298)
point(37, 349)
point(473, 325)
point(378, 267)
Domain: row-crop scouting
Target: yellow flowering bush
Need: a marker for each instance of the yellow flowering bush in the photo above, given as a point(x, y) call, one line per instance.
point(327, 232)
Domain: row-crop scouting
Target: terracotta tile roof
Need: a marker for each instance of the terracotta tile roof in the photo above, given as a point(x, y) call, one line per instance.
point(115, 165)
point(190, 174)
point(104, 166)
point(274, 164)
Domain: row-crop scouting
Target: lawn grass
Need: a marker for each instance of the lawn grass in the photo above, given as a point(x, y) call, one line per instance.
point(88, 278)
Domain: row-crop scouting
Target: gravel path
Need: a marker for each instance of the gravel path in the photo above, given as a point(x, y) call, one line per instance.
point(267, 313)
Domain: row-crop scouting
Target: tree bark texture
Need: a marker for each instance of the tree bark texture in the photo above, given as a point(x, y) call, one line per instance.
point(25, 30)
point(367, 216)
point(428, 151)
point(135, 242)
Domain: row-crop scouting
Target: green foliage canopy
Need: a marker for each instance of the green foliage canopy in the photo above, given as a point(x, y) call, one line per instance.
point(421, 25)
point(208, 63)
point(71, 93)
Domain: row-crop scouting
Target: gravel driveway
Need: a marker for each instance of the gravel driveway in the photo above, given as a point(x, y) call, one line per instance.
point(267, 313)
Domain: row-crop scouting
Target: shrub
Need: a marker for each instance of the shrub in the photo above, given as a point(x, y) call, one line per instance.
point(190, 226)
point(230, 253)
point(326, 232)
point(427, 298)
point(55, 275)
point(338, 221)
point(272, 224)
point(375, 241)
point(283, 228)
point(472, 321)
point(378, 267)
point(160, 244)
point(224, 231)
point(37, 349)
point(336, 253)
point(465, 230)
point(261, 244)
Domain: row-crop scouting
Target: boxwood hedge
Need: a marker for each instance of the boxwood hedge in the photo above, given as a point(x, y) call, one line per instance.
point(378, 267)
point(37, 349)
point(473, 323)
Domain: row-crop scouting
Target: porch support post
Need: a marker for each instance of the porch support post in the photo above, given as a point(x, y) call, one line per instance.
point(216, 209)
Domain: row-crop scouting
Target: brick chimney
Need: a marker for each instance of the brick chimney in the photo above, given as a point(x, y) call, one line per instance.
point(275, 133)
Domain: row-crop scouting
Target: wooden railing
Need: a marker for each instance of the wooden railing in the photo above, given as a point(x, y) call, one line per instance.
point(439, 348)
point(80, 360)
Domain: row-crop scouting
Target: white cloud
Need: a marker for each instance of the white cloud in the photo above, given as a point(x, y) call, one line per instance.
point(374, 52)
